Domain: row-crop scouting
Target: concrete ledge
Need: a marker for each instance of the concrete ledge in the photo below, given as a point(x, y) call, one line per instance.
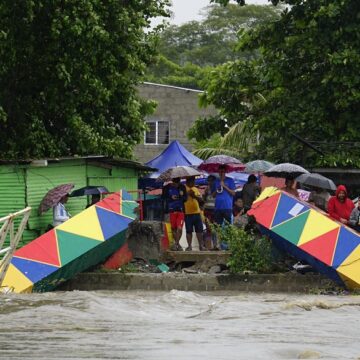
point(199, 282)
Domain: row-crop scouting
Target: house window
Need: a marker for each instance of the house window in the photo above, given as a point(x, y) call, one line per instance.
point(157, 133)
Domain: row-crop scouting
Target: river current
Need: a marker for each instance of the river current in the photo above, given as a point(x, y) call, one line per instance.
point(178, 325)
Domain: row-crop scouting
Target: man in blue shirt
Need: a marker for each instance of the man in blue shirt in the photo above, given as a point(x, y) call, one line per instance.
point(224, 192)
point(175, 196)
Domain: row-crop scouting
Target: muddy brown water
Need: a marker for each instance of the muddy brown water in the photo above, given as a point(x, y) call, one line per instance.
point(178, 325)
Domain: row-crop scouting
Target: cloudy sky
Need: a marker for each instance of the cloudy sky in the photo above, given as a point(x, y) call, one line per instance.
point(187, 10)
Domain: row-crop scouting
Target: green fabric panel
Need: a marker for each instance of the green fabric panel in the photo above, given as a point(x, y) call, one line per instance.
point(291, 230)
point(128, 209)
point(91, 258)
point(72, 246)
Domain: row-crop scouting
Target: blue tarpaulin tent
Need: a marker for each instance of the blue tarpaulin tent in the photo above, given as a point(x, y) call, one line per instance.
point(174, 155)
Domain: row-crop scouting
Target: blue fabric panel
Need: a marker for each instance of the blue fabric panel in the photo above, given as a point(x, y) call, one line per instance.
point(33, 270)
point(112, 223)
point(286, 203)
point(347, 242)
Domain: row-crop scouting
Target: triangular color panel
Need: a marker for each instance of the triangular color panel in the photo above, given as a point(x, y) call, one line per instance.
point(128, 208)
point(71, 246)
point(125, 196)
point(85, 224)
point(350, 267)
point(33, 270)
point(111, 223)
point(291, 230)
point(44, 249)
point(264, 210)
point(16, 280)
point(112, 203)
point(287, 208)
point(322, 247)
point(347, 242)
point(316, 225)
point(266, 193)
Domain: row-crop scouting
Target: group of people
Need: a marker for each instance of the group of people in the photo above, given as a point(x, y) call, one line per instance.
point(220, 204)
point(339, 207)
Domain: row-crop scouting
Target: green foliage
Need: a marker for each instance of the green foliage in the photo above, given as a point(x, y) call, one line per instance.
point(68, 74)
point(189, 51)
point(248, 252)
point(307, 72)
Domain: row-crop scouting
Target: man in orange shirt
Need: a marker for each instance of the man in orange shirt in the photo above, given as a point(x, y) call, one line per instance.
point(193, 214)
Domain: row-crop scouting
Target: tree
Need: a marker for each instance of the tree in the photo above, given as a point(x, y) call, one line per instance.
point(189, 50)
point(307, 72)
point(68, 73)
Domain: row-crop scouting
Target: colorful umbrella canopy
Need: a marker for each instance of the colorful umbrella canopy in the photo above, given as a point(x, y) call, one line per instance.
point(258, 166)
point(316, 180)
point(285, 170)
point(53, 196)
point(178, 172)
point(211, 165)
point(89, 190)
point(310, 235)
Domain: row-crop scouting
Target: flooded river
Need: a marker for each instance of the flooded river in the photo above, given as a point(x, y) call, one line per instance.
point(178, 325)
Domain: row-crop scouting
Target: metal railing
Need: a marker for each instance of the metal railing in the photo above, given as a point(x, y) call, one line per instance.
point(7, 227)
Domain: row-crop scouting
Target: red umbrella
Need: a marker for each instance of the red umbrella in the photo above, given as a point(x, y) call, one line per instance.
point(53, 196)
point(211, 165)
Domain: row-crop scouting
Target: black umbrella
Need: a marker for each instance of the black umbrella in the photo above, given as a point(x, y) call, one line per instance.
point(316, 180)
point(89, 190)
point(286, 170)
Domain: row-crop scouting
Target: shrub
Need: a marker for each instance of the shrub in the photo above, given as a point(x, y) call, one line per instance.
point(249, 252)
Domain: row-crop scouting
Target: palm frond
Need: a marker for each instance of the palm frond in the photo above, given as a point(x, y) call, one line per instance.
point(241, 137)
point(205, 153)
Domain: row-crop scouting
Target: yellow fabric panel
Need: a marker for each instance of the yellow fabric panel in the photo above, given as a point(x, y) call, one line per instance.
point(169, 233)
point(317, 224)
point(350, 269)
point(84, 224)
point(191, 204)
point(17, 281)
point(267, 192)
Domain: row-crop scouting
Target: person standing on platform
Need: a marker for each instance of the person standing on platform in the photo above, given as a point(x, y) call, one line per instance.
point(224, 191)
point(175, 197)
point(193, 219)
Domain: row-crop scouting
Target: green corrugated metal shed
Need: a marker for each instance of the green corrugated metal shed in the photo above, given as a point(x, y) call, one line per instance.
point(25, 183)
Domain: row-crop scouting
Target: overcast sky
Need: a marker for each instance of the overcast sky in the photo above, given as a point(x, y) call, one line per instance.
point(187, 10)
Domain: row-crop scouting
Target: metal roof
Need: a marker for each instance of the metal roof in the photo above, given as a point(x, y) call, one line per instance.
point(100, 158)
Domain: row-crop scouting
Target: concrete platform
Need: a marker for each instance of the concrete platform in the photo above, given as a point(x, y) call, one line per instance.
point(114, 281)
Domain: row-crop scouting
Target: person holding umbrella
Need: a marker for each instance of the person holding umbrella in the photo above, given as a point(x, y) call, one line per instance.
point(290, 186)
point(60, 214)
point(175, 196)
point(224, 192)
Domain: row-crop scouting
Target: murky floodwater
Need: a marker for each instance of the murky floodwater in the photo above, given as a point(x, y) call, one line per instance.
point(178, 325)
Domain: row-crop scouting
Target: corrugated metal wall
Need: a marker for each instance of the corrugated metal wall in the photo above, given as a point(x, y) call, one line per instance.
point(22, 186)
point(12, 191)
point(40, 180)
point(115, 179)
